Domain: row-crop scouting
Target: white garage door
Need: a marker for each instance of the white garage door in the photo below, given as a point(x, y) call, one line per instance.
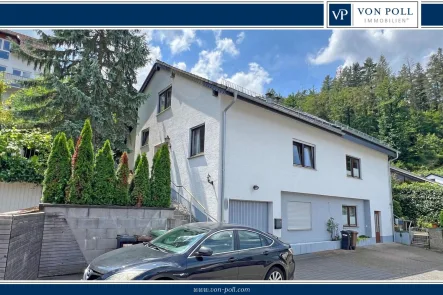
point(249, 213)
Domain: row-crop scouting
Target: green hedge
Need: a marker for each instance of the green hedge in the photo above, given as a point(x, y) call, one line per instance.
point(419, 200)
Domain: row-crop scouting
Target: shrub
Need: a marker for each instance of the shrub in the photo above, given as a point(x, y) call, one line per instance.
point(71, 147)
point(121, 190)
point(131, 183)
point(397, 209)
point(103, 185)
point(58, 172)
point(441, 218)
point(140, 194)
point(161, 178)
point(80, 185)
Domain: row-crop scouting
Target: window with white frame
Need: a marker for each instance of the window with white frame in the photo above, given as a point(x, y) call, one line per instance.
point(164, 100)
point(299, 215)
point(21, 73)
point(197, 140)
point(5, 48)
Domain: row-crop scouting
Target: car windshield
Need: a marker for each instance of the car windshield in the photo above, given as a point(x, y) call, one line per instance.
point(180, 239)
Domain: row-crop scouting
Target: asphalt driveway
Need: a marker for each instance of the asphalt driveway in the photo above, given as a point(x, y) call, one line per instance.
point(378, 262)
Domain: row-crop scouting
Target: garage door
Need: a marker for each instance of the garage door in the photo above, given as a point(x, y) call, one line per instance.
point(253, 214)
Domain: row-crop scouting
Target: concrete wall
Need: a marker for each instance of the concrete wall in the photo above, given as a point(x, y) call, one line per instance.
point(95, 228)
point(259, 152)
point(192, 105)
point(436, 238)
point(403, 238)
point(20, 245)
point(19, 195)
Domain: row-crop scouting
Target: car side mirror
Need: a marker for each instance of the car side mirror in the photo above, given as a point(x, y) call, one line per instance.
point(204, 251)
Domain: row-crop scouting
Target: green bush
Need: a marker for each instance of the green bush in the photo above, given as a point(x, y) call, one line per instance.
point(71, 146)
point(441, 218)
point(58, 172)
point(80, 185)
point(161, 178)
point(104, 181)
point(140, 195)
point(131, 183)
point(422, 201)
point(121, 190)
point(397, 209)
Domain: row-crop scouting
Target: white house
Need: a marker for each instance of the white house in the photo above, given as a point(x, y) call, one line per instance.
point(249, 160)
point(435, 178)
point(13, 68)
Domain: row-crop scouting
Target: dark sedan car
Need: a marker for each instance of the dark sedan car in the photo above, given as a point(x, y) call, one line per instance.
point(199, 251)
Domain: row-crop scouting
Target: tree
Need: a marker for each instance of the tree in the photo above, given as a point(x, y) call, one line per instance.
point(131, 185)
point(58, 172)
point(161, 178)
point(86, 74)
point(140, 195)
point(71, 147)
point(80, 184)
point(121, 190)
point(104, 181)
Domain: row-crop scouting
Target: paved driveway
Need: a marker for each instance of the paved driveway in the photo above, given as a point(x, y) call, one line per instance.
point(378, 262)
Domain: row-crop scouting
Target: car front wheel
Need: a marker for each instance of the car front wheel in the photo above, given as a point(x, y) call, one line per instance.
point(274, 274)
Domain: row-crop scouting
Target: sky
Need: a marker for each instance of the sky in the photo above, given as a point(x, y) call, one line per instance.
point(285, 60)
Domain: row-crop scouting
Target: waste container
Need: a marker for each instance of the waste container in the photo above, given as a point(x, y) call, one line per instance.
point(354, 237)
point(126, 240)
point(345, 239)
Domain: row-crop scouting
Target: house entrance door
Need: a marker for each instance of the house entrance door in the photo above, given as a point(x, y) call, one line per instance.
point(377, 226)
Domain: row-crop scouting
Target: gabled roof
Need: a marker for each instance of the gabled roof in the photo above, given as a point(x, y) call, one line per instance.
point(22, 39)
point(228, 88)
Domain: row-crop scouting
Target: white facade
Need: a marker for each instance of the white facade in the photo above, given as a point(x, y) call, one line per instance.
point(259, 152)
point(436, 178)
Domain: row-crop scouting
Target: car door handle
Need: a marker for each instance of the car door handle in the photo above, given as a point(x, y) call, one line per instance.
point(265, 252)
point(232, 259)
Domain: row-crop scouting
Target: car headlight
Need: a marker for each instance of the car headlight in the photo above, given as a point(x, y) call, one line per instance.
point(125, 275)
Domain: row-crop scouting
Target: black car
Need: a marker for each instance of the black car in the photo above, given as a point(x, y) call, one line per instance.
point(199, 251)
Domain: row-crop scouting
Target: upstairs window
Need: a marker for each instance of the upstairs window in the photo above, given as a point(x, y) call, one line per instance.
point(145, 137)
point(303, 154)
point(5, 47)
point(197, 140)
point(164, 100)
point(21, 73)
point(2, 68)
point(353, 167)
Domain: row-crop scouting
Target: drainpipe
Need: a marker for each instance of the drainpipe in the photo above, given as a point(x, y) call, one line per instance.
point(392, 198)
point(223, 153)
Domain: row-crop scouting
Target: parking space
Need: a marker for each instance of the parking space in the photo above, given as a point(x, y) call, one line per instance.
point(378, 262)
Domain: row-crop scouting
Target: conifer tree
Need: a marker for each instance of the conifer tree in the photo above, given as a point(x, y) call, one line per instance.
point(80, 184)
point(71, 146)
point(137, 161)
point(104, 181)
point(121, 190)
point(58, 172)
point(140, 194)
point(161, 178)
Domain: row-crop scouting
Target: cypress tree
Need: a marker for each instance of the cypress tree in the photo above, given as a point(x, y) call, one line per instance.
point(58, 172)
point(121, 190)
point(140, 194)
point(80, 185)
point(131, 185)
point(103, 186)
point(161, 178)
point(71, 147)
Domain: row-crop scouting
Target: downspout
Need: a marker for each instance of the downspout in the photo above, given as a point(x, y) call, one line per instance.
point(223, 153)
point(392, 197)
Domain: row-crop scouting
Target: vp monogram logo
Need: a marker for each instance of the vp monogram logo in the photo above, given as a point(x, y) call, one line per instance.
point(341, 13)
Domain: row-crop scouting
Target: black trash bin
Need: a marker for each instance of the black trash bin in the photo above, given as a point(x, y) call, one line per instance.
point(125, 240)
point(345, 240)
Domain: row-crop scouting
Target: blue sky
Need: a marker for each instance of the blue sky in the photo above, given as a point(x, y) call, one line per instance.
point(286, 60)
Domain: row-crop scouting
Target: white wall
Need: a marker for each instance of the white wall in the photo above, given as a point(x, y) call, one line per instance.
point(19, 195)
point(435, 178)
point(259, 152)
point(192, 104)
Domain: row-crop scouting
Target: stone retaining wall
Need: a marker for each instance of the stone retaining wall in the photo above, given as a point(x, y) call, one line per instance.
point(436, 238)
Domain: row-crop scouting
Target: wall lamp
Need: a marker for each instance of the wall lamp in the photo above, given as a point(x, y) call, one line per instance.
point(210, 179)
point(168, 140)
point(255, 187)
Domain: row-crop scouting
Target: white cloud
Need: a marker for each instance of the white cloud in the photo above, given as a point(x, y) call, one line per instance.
point(254, 80)
point(183, 41)
point(227, 45)
point(355, 46)
point(240, 37)
point(209, 64)
point(142, 73)
point(181, 65)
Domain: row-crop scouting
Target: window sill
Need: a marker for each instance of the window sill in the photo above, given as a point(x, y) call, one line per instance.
point(144, 146)
point(300, 166)
point(164, 111)
point(350, 226)
point(196, 156)
point(298, 229)
point(349, 176)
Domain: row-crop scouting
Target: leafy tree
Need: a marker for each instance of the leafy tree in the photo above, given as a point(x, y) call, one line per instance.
point(58, 172)
point(86, 74)
point(140, 195)
point(161, 178)
point(104, 181)
point(122, 185)
point(80, 184)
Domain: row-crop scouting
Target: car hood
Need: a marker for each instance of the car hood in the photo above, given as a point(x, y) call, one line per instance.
point(125, 257)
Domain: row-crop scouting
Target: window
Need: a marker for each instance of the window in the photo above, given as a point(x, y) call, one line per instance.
point(299, 215)
point(349, 215)
point(214, 93)
point(21, 73)
point(353, 167)
point(180, 239)
point(197, 140)
point(164, 100)
point(2, 69)
point(220, 242)
point(4, 48)
point(303, 155)
point(249, 240)
point(145, 137)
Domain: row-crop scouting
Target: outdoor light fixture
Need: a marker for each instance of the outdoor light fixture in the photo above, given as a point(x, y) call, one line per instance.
point(168, 140)
point(255, 187)
point(209, 179)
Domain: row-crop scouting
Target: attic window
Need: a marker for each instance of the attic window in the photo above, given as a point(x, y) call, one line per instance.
point(5, 47)
point(214, 93)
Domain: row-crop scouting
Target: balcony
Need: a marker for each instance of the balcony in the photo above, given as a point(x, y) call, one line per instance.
point(13, 80)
